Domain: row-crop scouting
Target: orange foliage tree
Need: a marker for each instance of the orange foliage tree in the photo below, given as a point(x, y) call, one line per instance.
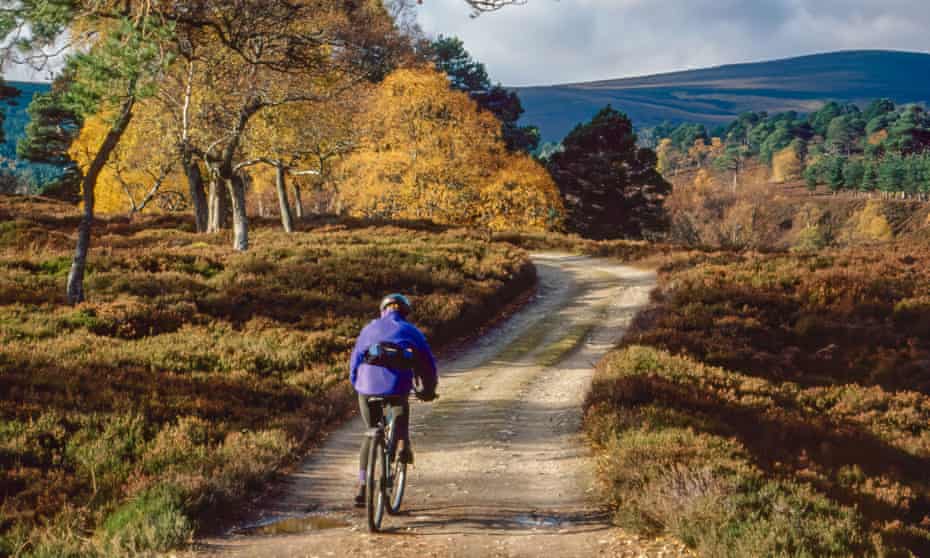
point(429, 153)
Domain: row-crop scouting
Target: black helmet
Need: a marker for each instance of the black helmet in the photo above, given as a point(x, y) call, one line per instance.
point(398, 299)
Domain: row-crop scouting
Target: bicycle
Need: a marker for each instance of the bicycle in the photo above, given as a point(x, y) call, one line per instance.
point(387, 475)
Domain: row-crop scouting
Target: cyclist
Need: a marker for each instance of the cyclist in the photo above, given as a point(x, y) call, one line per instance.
point(390, 378)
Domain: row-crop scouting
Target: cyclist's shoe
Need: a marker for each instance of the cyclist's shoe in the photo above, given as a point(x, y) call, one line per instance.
point(405, 455)
point(360, 497)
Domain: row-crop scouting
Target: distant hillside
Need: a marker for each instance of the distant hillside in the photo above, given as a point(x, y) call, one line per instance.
point(15, 118)
point(716, 95)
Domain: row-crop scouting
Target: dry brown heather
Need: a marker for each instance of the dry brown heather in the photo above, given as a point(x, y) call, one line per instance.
point(775, 404)
point(624, 250)
point(194, 373)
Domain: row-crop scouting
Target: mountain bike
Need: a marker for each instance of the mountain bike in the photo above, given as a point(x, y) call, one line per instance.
point(387, 475)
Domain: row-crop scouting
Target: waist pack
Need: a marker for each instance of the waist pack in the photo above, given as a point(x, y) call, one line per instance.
point(390, 355)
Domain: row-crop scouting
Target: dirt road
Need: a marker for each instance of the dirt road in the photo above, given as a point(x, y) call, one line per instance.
point(501, 468)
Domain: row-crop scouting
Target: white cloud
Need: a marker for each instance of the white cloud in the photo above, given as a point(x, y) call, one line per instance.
point(560, 41)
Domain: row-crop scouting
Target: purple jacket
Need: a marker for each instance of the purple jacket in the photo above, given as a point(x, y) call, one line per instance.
point(368, 379)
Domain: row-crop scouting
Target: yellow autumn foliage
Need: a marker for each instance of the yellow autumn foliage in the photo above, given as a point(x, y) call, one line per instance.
point(870, 224)
point(878, 137)
point(668, 157)
point(786, 165)
point(704, 181)
point(521, 195)
point(142, 156)
point(427, 152)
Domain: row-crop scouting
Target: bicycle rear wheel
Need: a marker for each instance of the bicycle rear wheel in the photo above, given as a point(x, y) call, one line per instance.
point(398, 484)
point(374, 488)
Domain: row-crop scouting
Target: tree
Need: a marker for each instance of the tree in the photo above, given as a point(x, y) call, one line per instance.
point(465, 73)
point(811, 176)
point(468, 75)
point(520, 195)
point(53, 126)
point(685, 136)
point(853, 173)
point(878, 108)
point(821, 119)
point(301, 138)
point(740, 131)
point(264, 54)
point(733, 160)
point(427, 153)
point(668, 158)
point(610, 186)
point(892, 174)
point(910, 132)
point(119, 59)
point(843, 133)
point(142, 169)
point(780, 137)
point(869, 181)
point(833, 168)
point(786, 165)
point(184, 111)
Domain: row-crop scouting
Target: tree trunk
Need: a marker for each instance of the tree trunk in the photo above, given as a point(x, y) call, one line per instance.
point(298, 202)
point(213, 211)
point(198, 195)
point(75, 287)
point(240, 219)
point(217, 204)
point(287, 220)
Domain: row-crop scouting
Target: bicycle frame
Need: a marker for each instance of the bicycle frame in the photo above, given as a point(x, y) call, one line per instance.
point(381, 495)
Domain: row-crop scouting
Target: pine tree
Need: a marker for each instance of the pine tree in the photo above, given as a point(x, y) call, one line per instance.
point(470, 76)
point(610, 186)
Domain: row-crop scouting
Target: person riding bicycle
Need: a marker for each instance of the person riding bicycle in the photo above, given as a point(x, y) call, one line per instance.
point(389, 353)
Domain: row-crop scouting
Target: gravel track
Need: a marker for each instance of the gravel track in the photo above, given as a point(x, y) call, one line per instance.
point(501, 466)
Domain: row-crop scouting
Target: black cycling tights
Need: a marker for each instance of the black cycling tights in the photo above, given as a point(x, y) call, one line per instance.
point(371, 414)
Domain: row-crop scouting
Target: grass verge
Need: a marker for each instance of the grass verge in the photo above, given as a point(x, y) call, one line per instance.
point(775, 405)
point(194, 374)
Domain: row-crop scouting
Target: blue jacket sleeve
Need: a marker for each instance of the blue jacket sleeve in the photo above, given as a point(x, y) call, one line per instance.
point(356, 359)
point(427, 368)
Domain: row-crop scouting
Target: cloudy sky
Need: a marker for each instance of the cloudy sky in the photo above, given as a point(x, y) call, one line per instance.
point(559, 41)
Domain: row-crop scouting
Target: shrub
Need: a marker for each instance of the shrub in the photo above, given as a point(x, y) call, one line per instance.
point(152, 521)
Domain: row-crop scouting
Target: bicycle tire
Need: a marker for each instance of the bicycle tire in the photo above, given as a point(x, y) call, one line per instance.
point(399, 478)
point(374, 489)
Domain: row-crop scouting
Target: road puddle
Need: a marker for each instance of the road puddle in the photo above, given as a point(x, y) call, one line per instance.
point(540, 521)
point(293, 525)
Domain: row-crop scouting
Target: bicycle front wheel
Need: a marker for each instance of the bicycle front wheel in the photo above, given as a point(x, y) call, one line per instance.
point(398, 483)
point(375, 486)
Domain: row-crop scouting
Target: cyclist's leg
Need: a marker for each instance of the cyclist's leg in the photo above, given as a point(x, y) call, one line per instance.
point(371, 414)
point(400, 407)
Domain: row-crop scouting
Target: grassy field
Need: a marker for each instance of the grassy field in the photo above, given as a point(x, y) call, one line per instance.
point(194, 373)
point(775, 405)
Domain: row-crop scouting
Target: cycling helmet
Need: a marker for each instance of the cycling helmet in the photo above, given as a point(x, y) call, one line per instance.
point(398, 299)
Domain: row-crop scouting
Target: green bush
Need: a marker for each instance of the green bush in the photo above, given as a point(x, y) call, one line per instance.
point(152, 521)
